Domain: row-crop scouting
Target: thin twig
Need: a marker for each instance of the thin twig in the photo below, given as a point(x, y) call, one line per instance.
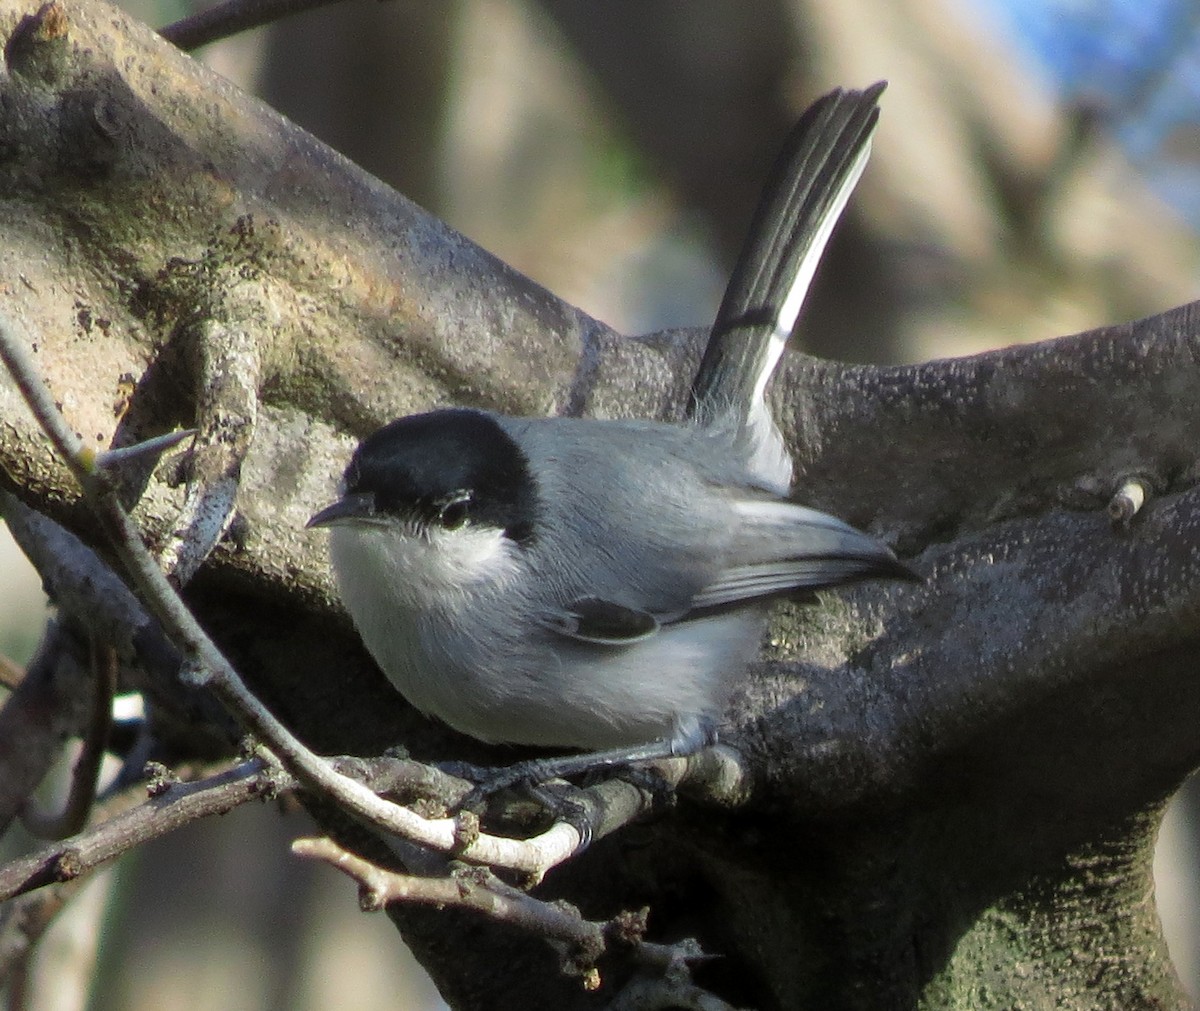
point(174, 803)
point(232, 17)
point(471, 889)
point(153, 448)
point(25, 918)
point(171, 806)
point(23, 923)
point(86, 773)
point(475, 888)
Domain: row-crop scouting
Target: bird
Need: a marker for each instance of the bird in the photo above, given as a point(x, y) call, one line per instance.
point(601, 585)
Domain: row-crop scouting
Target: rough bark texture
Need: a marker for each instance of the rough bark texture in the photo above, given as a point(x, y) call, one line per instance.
point(958, 784)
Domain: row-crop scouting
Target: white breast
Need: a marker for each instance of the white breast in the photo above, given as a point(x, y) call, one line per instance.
point(390, 580)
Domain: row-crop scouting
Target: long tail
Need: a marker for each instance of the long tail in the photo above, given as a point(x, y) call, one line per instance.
point(805, 195)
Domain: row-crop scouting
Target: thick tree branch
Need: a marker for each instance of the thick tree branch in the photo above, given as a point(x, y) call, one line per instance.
point(946, 779)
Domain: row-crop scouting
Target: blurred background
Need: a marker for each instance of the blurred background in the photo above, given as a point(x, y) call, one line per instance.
point(1036, 173)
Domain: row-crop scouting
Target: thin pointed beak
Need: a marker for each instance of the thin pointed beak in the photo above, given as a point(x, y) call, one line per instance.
point(354, 508)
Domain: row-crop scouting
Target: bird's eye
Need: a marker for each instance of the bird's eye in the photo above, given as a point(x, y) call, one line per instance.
point(453, 512)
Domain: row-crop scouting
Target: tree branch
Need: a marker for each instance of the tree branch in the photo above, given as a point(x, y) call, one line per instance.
point(172, 805)
point(583, 942)
point(941, 779)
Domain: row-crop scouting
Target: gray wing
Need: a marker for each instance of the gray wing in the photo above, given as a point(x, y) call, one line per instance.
point(778, 548)
point(782, 547)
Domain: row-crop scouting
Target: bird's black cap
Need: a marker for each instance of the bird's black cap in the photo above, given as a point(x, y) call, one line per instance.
point(418, 464)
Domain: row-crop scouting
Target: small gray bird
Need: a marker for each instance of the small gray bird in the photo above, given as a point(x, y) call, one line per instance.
point(601, 585)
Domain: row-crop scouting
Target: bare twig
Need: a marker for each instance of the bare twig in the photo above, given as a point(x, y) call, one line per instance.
point(24, 920)
point(718, 774)
point(171, 806)
point(583, 941)
point(468, 888)
point(174, 804)
point(92, 601)
point(229, 18)
point(86, 773)
point(112, 459)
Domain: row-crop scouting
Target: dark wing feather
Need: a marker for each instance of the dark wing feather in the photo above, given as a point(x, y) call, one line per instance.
point(603, 622)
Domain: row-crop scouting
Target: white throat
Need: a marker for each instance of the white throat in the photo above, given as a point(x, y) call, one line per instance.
point(412, 570)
